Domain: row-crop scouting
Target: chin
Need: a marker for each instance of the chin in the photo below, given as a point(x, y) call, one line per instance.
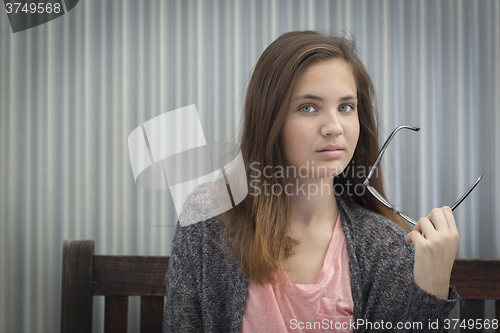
point(334, 169)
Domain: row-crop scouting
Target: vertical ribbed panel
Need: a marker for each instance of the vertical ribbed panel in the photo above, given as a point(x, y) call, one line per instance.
point(73, 89)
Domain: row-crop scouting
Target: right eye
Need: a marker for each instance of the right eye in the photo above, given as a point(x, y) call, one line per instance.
point(308, 108)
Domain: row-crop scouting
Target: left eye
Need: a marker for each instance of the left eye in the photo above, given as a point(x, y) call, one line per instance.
point(344, 108)
point(307, 108)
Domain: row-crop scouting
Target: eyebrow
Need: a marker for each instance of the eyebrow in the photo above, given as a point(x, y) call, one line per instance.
point(309, 96)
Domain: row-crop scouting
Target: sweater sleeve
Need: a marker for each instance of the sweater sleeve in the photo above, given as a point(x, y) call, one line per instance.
point(182, 308)
point(425, 311)
point(396, 298)
point(428, 309)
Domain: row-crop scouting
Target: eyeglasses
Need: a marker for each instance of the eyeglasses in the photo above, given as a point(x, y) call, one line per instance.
point(386, 203)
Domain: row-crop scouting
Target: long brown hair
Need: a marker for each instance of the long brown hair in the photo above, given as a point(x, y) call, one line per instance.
point(257, 227)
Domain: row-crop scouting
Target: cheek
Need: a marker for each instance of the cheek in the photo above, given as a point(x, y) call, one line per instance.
point(295, 134)
point(288, 139)
point(354, 134)
point(357, 135)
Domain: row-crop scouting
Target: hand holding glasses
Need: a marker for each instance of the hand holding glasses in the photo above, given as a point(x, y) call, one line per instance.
point(379, 197)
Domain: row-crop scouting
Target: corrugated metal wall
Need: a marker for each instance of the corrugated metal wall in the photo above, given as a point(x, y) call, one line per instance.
point(73, 89)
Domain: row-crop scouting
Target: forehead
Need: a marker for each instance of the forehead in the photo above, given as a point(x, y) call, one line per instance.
point(333, 76)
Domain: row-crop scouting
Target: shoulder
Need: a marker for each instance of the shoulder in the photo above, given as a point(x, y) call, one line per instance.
point(363, 219)
point(206, 201)
point(199, 220)
point(202, 285)
point(373, 235)
point(195, 243)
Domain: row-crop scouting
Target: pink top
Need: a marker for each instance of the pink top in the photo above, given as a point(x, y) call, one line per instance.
point(324, 306)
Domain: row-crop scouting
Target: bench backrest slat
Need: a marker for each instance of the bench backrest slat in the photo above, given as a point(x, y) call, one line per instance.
point(476, 278)
point(152, 313)
point(129, 275)
point(115, 314)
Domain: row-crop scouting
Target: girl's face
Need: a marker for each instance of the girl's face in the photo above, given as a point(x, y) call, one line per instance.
point(323, 112)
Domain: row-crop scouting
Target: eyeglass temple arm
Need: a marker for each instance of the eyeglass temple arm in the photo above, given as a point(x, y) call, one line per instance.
point(407, 218)
point(384, 147)
point(455, 205)
point(459, 201)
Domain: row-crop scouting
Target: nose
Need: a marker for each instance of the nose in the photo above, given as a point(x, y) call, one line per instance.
point(331, 125)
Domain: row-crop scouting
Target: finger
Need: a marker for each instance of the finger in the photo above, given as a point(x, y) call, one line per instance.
point(426, 227)
point(417, 228)
point(450, 218)
point(414, 237)
point(422, 225)
point(438, 219)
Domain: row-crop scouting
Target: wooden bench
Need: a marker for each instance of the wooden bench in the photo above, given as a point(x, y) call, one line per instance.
point(85, 275)
point(475, 281)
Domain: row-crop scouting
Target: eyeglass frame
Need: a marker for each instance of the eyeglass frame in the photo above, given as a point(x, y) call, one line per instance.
point(383, 200)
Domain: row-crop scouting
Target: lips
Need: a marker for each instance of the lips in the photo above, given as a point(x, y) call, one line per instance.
point(330, 148)
point(331, 151)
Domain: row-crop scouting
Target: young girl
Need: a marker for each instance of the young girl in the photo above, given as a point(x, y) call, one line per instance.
point(309, 250)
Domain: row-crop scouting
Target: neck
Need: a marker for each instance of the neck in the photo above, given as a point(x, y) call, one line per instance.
point(314, 203)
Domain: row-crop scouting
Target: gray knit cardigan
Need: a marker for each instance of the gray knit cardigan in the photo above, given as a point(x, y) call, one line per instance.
point(206, 290)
